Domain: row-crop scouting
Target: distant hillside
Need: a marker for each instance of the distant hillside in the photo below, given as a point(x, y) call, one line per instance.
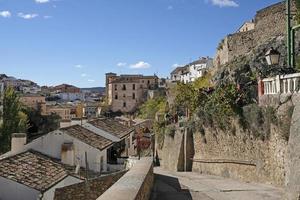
point(94, 89)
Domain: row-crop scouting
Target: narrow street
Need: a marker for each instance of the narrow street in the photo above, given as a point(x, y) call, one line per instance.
point(189, 185)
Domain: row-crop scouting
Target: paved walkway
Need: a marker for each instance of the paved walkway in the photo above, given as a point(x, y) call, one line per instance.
point(189, 185)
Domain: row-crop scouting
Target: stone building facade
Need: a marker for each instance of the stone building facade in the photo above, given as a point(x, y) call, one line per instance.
point(126, 92)
point(247, 26)
point(35, 102)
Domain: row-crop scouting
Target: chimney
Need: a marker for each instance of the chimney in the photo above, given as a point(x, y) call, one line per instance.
point(67, 154)
point(18, 141)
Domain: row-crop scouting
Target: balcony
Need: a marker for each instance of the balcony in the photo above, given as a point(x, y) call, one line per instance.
point(282, 84)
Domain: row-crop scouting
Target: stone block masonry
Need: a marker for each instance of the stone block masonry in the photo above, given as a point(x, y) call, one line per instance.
point(270, 23)
point(136, 184)
point(240, 155)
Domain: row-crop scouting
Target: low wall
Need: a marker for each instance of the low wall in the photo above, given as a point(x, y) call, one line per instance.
point(136, 184)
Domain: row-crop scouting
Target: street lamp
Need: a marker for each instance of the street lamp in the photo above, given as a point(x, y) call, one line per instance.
point(272, 57)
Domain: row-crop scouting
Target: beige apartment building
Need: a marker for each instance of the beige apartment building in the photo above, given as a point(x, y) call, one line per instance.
point(62, 111)
point(126, 92)
point(34, 101)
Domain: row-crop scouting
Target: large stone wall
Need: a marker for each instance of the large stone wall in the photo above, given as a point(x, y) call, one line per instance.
point(270, 23)
point(177, 151)
point(239, 154)
point(240, 44)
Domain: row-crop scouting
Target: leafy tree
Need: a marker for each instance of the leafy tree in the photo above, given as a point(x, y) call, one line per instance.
point(192, 95)
point(14, 120)
point(41, 124)
point(149, 109)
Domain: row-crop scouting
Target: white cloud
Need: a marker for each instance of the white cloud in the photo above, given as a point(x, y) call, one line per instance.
point(5, 14)
point(121, 64)
point(79, 66)
point(225, 3)
point(170, 7)
point(42, 1)
point(83, 75)
point(175, 65)
point(91, 80)
point(140, 65)
point(47, 17)
point(27, 16)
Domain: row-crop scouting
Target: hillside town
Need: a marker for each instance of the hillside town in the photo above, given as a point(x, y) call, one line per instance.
point(221, 127)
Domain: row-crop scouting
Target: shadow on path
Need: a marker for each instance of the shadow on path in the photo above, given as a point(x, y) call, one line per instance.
point(168, 188)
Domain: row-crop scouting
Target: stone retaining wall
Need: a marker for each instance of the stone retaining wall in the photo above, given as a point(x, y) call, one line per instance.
point(136, 184)
point(247, 158)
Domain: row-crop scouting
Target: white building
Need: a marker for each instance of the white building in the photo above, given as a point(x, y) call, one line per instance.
point(103, 140)
point(196, 69)
point(177, 73)
point(31, 175)
point(30, 89)
point(71, 96)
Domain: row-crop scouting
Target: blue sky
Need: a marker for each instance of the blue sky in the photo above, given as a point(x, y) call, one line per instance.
point(78, 41)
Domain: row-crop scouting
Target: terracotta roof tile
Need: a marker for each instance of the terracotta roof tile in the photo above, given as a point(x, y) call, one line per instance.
point(32, 169)
point(87, 136)
point(112, 126)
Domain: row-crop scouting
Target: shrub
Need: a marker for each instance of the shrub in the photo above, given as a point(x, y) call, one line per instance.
point(149, 109)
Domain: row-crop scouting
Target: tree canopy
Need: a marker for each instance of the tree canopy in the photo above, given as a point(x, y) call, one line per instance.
point(14, 120)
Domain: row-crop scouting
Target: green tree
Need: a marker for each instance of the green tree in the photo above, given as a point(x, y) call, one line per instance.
point(149, 109)
point(40, 124)
point(14, 120)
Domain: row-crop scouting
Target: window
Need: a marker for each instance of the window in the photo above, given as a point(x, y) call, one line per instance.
point(101, 164)
point(116, 87)
point(124, 104)
point(124, 95)
point(124, 87)
point(133, 86)
point(133, 95)
point(148, 82)
point(116, 96)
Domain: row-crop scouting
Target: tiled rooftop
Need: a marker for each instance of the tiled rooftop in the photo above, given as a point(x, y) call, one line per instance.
point(112, 126)
point(97, 187)
point(32, 169)
point(87, 136)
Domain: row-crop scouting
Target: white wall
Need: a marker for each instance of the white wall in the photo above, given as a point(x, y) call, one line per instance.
point(196, 71)
point(71, 96)
point(11, 190)
point(51, 143)
point(70, 180)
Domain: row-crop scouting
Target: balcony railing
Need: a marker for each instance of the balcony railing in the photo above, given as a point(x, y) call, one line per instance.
point(282, 84)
